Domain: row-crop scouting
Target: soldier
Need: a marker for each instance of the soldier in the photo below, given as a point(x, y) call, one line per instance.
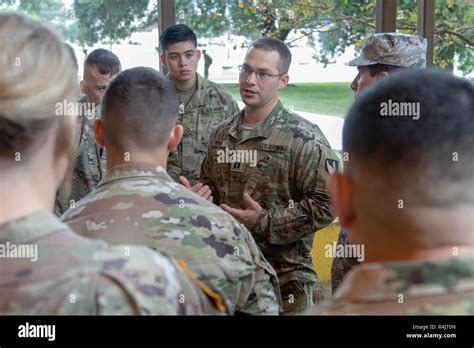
point(207, 63)
point(45, 267)
point(268, 167)
point(203, 104)
point(382, 54)
point(89, 167)
point(138, 202)
point(407, 195)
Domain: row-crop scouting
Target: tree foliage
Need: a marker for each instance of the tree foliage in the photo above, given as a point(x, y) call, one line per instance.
point(336, 24)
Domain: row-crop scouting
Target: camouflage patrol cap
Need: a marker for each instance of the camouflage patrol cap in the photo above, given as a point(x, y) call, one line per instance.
point(392, 49)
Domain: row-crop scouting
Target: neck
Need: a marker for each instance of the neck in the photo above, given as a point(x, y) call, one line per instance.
point(259, 114)
point(390, 253)
point(23, 195)
point(114, 159)
point(184, 85)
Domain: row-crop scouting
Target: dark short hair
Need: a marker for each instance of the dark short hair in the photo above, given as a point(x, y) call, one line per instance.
point(104, 60)
point(272, 44)
point(139, 109)
point(177, 33)
point(418, 155)
point(378, 68)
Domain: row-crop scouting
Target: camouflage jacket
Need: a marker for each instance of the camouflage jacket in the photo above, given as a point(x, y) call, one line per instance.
point(289, 180)
point(141, 204)
point(61, 272)
point(407, 288)
point(209, 106)
point(89, 165)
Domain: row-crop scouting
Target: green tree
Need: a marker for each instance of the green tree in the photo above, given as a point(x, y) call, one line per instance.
point(110, 20)
point(338, 23)
point(51, 12)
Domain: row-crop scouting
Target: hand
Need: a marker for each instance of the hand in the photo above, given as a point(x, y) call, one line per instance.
point(249, 217)
point(202, 190)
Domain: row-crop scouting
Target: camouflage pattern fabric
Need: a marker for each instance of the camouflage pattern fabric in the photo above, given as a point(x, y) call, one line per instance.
point(141, 204)
point(341, 265)
point(73, 275)
point(89, 166)
point(209, 106)
point(393, 49)
point(289, 180)
point(435, 287)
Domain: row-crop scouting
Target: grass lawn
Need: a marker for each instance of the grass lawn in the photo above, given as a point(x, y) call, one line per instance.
point(329, 98)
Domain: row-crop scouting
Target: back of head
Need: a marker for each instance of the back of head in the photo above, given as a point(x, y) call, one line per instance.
point(29, 52)
point(106, 62)
point(177, 33)
point(275, 45)
point(139, 109)
point(410, 135)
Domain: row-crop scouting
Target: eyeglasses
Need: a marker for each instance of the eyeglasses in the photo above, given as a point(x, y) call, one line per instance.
point(259, 74)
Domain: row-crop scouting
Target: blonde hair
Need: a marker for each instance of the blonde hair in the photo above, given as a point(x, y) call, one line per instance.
point(36, 73)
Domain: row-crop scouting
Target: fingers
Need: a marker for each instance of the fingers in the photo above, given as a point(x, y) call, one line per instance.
point(249, 201)
point(184, 181)
point(196, 187)
point(210, 199)
point(232, 211)
point(205, 192)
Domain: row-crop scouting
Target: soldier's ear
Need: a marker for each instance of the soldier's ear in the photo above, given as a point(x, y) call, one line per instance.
point(381, 75)
point(340, 190)
point(175, 137)
point(163, 59)
point(99, 132)
point(198, 54)
point(283, 81)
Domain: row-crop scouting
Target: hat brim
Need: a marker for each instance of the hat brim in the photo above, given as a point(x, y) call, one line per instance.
point(359, 61)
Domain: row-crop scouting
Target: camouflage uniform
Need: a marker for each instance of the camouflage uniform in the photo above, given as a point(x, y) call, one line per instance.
point(289, 182)
point(89, 166)
point(209, 106)
point(410, 287)
point(75, 275)
point(141, 204)
point(341, 265)
point(392, 49)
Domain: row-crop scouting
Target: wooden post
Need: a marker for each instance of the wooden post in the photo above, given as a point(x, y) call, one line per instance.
point(386, 16)
point(426, 10)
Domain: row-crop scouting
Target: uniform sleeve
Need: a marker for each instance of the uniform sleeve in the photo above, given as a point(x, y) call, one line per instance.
point(258, 283)
point(234, 107)
point(312, 167)
point(207, 168)
point(136, 280)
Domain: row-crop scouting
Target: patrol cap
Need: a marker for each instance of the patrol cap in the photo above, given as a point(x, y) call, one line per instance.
point(392, 49)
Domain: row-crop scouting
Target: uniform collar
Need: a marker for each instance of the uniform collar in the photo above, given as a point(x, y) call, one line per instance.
point(371, 282)
point(263, 130)
point(31, 227)
point(132, 170)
